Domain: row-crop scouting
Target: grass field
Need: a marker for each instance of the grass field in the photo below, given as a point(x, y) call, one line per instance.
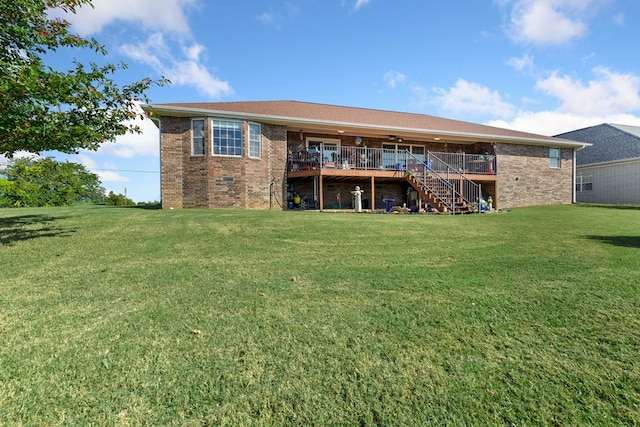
point(118, 317)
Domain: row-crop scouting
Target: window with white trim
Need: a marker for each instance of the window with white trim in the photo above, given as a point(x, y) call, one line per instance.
point(554, 158)
point(584, 183)
point(197, 137)
point(227, 138)
point(255, 140)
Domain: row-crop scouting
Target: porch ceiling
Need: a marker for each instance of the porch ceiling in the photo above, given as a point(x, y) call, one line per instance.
point(386, 133)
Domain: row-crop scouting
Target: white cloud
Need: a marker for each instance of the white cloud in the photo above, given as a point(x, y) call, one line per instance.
point(185, 71)
point(394, 78)
point(103, 174)
point(553, 122)
point(275, 19)
point(607, 94)
point(525, 63)
point(269, 19)
point(17, 155)
point(550, 22)
point(466, 97)
point(130, 145)
point(126, 146)
point(165, 15)
point(610, 97)
point(360, 3)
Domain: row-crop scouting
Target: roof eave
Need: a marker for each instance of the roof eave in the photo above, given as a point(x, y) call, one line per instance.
point(156, 111)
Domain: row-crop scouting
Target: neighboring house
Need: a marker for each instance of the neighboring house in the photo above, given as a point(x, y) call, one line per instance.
point(609, 170)
point(289, 154)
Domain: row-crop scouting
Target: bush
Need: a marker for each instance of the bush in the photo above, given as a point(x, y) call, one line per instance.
point(114, 199)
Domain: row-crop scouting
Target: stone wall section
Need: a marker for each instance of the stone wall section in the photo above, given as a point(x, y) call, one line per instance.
point(525, 178)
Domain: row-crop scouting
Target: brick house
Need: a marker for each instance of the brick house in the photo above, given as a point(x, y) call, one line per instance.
point(289, 154)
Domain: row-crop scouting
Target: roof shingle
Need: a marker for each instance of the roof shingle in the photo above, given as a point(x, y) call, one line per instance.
point(610, 143)
point(341, 115)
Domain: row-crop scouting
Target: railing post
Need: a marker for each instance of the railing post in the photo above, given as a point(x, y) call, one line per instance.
point(453, 202)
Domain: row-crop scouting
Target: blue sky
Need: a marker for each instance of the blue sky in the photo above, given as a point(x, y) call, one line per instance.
point(542, 66)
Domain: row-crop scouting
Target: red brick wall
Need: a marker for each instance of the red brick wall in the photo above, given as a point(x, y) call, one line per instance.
point(171, 169)
point(217, 181)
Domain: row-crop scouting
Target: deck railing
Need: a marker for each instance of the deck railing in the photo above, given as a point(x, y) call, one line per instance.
point(479, 164)
point(365, 158)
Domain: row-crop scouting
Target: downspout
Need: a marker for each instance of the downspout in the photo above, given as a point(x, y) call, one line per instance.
point(575, 172)
point(573, 183)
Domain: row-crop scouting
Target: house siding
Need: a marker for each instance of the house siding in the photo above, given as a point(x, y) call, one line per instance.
point(525, 178)
point(612, 183)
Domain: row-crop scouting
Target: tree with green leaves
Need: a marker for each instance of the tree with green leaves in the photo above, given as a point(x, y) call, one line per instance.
point(117, 199)
point(42, 108)
point(29, 182)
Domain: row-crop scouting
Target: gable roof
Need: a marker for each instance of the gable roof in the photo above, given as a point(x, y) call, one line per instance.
point(310, 117)
point(609, 143)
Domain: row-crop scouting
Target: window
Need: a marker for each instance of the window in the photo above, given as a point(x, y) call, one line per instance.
point(227, 138)
point(328, 148)
point(255, 140)
point(197, 137)
point(418, 152)
point(584, 183)
point(554, 158)
point(395, 154)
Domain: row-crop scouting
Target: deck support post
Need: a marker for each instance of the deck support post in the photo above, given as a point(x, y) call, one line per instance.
point(321, 198)
point(372, 205)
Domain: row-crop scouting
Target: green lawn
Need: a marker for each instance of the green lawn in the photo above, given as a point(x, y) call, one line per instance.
point(118, 317)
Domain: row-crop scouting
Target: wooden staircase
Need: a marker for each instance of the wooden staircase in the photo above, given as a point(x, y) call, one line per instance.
point(441, 196)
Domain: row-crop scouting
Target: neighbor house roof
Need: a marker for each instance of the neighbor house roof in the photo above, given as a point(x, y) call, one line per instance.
point(310, 117)
point(610, 143)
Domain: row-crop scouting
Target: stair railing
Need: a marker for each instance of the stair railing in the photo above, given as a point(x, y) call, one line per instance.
point(471, 192)
point(431, 181)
